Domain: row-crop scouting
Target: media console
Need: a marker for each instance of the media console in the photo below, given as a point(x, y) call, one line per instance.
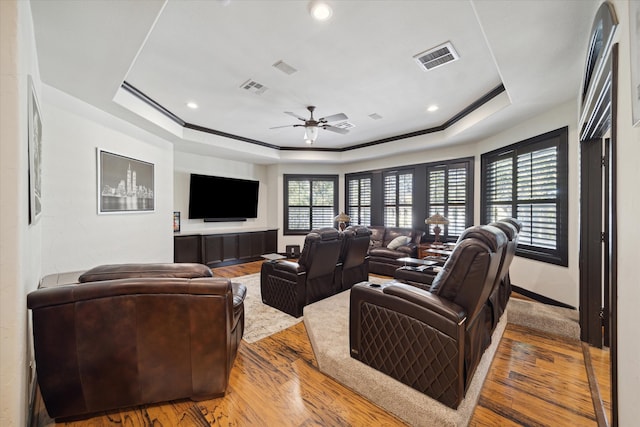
point(219, 249)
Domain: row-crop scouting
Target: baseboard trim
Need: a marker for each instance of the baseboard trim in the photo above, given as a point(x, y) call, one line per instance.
point(540, 298)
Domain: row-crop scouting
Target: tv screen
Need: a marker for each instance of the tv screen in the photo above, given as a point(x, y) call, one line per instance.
point(215, 198)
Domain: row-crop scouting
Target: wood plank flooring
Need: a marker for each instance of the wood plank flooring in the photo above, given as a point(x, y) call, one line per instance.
point(536, 379)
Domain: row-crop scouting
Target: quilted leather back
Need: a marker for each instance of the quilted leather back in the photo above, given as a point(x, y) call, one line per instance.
point(355, 246)
point(468, 276)
point(321, 252)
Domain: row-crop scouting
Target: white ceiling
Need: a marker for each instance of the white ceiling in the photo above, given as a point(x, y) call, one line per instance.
point(360, 62)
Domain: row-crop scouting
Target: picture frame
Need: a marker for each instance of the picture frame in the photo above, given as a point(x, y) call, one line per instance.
point(176, 222)
point(634, 59)
point(34, 153)
point(125, 184)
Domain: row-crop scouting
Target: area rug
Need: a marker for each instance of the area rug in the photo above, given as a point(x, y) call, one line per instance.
point(327, 324)
point(547, 318)
point(261, 320)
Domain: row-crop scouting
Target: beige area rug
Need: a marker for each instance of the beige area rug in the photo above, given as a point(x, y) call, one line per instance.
point(261, 320)
point(327, 323)
point(553, 320)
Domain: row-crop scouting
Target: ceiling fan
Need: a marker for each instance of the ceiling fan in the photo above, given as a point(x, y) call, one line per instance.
point(312, 125)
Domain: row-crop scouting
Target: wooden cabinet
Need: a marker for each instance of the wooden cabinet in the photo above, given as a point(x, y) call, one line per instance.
point(216, 250)
point(187, 248)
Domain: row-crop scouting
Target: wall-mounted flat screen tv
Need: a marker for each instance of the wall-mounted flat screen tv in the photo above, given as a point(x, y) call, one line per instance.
point(215, 198)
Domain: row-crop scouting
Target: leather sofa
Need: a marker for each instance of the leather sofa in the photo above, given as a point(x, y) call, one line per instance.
point(289, 286)
point(133, 334)
point(354, 258)
point(431, 340)
point(383, 259)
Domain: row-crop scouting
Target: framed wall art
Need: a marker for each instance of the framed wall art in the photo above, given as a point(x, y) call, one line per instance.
point(176, 222)
point(125, 185)
point(35, 154)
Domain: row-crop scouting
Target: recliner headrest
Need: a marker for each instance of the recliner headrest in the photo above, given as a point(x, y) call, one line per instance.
point(513, 221)
point(491, 236)
point(507, 228)
point(358, 230)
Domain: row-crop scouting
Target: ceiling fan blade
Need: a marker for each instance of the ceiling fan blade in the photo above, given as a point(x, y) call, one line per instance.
point(335, 117)
point(296, 116)
point(336, 130)
point(278, 127)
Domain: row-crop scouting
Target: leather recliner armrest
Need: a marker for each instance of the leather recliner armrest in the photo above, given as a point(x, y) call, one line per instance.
point(426, 299)
point(287, 266)
point(443, 315)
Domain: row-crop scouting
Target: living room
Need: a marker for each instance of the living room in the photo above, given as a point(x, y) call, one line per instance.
point(69, 235)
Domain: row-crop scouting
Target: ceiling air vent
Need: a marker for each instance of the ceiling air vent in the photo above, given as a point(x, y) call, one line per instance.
point(375, 116)
point(437, 56)
point(254, 87)
point(284, 67)
point(344, 125)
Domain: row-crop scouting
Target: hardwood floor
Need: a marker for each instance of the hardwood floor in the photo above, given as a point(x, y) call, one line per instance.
point(535, 379)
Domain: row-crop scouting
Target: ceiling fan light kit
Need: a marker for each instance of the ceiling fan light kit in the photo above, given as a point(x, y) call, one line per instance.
point(310, 134)
point(312, 125)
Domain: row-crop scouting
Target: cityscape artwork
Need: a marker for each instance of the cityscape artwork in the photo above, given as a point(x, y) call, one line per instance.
point(124, 184)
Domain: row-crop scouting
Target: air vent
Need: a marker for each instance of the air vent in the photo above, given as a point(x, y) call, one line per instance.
point(344, 125)
point(375, 116)
point(254, 87)
point(437, 56)
point(284, 67)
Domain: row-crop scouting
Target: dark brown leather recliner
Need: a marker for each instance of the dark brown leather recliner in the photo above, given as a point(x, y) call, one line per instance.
point(354, 258)
point(430, 340)
point(502, 288)
point(289, 286)
point(135, 334)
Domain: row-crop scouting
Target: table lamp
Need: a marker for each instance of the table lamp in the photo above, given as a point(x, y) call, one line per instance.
point(342, 220)
point(437, 220)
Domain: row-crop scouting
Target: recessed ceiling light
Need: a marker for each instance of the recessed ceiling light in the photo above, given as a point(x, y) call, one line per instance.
point(320, 10)
point(192, 105)
point(433, 108)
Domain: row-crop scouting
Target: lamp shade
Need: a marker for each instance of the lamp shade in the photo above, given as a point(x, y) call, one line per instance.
point(343, 217)
point(436, 219)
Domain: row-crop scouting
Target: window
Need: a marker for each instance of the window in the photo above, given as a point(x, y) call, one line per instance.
point(398, 199)
point(450, 193)
point(528, 181)
point(311, 202)
point(359, 200)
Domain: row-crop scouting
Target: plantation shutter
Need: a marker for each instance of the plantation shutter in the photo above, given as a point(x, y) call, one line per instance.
point(536, 188)
point(528, 181)
point(311, 202)
point(359, 201)
point(398, 199)
point(448, 189)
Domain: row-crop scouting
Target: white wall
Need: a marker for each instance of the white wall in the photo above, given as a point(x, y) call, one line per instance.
point(20, 245)
point(628, 204)
point(186, 163)
point(75, 237)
